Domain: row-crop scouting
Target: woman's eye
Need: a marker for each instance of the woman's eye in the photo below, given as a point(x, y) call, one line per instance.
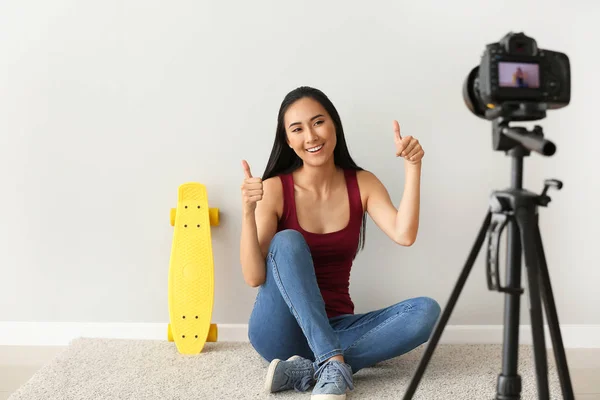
point(318, 122)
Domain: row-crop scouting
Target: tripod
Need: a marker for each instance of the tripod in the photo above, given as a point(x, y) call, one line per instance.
point(515, 208)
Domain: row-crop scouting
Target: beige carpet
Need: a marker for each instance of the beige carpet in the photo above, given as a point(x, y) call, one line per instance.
point(135, 369)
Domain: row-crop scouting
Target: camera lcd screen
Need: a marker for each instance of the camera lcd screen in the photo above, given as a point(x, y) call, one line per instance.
point(518, 75)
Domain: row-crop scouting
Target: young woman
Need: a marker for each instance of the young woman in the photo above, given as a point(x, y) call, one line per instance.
point(303, 224)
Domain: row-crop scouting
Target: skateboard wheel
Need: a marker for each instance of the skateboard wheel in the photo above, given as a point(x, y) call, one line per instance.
point(213, 215)
point(173, 213)
point(213, 333)
point(169, 333)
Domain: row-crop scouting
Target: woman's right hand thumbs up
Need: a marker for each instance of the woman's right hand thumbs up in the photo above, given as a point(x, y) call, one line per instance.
point(252, 188)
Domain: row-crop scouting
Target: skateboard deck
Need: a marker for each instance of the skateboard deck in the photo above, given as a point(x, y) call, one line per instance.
point(191, 270)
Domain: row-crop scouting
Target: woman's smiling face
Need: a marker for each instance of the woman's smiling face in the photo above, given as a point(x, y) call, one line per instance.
point(310, 131)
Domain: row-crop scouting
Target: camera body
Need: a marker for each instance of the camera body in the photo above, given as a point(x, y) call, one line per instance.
point(513, 72)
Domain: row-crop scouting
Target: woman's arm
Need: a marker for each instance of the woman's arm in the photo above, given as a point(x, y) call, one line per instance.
point(407, 219)
point(259, 224)
point(400, 224)
point(251, 256)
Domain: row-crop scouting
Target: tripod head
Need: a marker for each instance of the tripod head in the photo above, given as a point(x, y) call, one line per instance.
point(519, 140)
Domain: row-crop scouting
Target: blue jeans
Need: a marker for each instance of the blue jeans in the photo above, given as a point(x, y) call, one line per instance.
point(289, 315)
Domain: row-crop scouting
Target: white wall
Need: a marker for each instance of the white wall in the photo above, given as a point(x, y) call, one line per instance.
point(106, 107)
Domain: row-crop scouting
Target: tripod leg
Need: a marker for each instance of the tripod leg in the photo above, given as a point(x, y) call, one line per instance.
point(509, 382)
point(526, 221)
point(552, 316)
point(537, 330)
point(441, 323)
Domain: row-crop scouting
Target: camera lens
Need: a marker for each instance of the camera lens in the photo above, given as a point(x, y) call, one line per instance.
point(471, 94)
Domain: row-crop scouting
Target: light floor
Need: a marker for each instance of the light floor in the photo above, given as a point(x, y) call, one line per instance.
point(18, 364)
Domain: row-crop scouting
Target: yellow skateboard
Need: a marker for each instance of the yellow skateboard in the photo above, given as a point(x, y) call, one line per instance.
point(191, 270)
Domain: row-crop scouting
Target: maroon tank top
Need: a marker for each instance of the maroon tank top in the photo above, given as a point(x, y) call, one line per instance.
point(332, 253)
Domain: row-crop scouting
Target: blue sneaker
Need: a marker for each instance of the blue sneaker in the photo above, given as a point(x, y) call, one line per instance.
point(294, 373)
point(333, 379)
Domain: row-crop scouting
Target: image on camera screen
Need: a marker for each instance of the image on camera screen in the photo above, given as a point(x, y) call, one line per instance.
point(519, 75)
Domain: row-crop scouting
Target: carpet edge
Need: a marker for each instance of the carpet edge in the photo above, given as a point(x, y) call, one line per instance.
point(18, 333)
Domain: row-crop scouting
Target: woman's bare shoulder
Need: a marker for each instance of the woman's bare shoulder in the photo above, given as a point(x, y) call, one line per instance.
point(273, 194)
point(366, 180)
point(365, 175)
point(368, 184)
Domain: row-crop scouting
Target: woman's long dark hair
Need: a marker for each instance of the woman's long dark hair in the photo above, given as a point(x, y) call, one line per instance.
point(284, 160)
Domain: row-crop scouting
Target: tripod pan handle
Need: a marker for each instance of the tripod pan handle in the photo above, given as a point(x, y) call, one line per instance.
point(531, 141)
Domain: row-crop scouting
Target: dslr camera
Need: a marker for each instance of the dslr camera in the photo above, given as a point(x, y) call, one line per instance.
point(517, 80)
